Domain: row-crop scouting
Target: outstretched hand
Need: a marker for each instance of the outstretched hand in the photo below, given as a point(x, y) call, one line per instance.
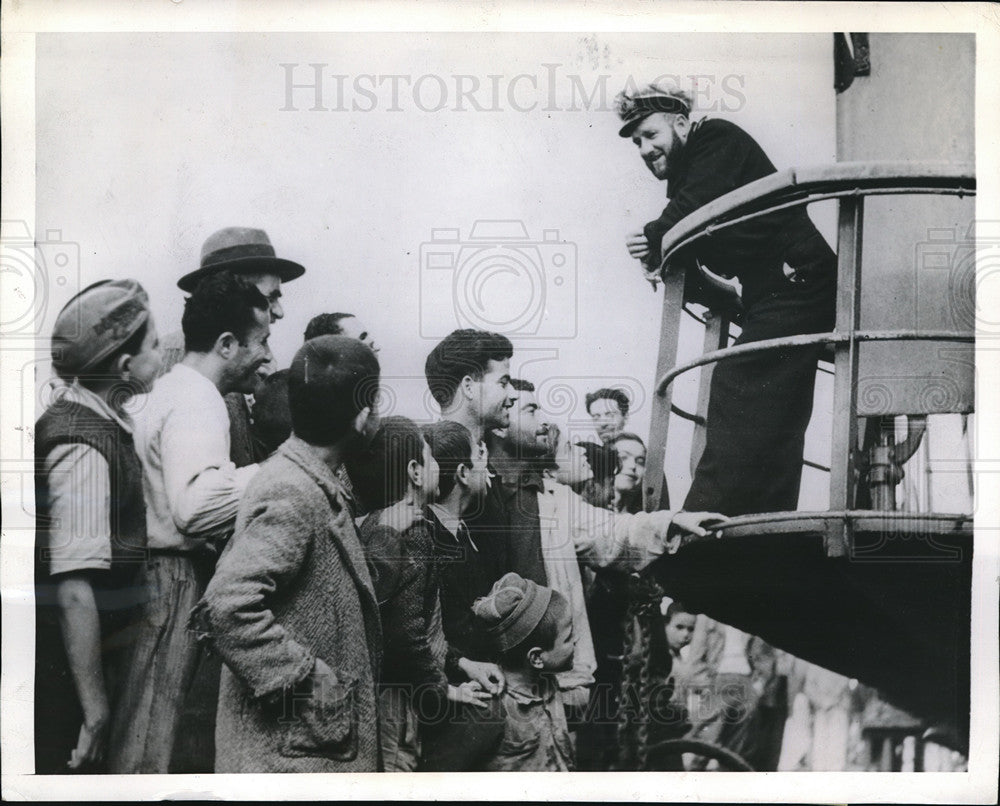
point(697, 523)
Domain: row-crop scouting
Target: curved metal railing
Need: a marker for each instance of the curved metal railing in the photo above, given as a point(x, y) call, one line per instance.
point(798, 186)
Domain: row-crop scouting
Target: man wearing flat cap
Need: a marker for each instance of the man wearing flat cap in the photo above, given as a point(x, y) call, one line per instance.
point(760, 404)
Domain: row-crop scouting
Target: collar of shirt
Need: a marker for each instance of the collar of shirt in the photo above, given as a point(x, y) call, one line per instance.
point(189, 375)
point(449, 521)
point(450, 524)
point(523, 696)
point(529, 478)
point(77, 393)
point(681, 166)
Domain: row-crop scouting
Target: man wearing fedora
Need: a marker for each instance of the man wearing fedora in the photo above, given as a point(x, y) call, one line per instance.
point(247, 252)
point(760, 404)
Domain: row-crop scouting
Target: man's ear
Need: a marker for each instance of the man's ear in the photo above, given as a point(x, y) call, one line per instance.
point(226, 345)
point(415, 472)
point(122, 365)
point(465, 386)
point(682, 126)
point(462, 473)
point(535, 657)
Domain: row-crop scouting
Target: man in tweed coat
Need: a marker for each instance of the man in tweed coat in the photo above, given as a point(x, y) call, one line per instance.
point(291, 608)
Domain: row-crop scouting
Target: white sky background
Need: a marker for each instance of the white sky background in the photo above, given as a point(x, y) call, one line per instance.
point(147, 143)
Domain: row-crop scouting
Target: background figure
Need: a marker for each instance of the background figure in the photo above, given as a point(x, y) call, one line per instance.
point(91, 522)
point(742, 701)
point(607, 608)
point(340, 324)
point(817, 732)
point(608, 408)
point(272, 418)
point(599, 490)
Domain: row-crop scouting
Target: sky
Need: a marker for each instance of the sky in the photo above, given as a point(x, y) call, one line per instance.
point(370, 158)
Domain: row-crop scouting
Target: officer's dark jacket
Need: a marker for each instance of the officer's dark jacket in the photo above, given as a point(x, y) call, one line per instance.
point(717, 158)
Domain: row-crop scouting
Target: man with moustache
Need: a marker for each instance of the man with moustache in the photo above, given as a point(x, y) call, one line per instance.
point(760, 404)
point(517, 457)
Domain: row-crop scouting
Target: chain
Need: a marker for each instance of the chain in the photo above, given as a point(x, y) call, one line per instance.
point(626, 709)
point(643, 611)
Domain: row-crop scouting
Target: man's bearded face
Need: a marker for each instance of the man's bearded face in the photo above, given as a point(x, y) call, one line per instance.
point(658, 143)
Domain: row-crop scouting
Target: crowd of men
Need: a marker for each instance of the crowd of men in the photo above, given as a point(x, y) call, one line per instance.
point(376, 594)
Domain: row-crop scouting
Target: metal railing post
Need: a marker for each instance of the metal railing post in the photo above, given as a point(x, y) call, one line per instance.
point(656, 445)
point(716, 338)
point(845, 388)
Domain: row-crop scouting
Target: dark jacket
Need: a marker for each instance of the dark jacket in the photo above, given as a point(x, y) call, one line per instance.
point(469, 567)
point(405, 579)
point(718, 158)
point(292, 586)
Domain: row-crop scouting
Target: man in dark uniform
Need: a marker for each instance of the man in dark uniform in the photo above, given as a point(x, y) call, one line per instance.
point(760, 404)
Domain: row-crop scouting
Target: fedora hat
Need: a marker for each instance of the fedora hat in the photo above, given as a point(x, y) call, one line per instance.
point(241, 250)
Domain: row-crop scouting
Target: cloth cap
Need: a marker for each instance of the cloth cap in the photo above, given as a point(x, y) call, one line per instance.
point(512, 609)
point(95, 323)
point(633, 109)
point(241, 250)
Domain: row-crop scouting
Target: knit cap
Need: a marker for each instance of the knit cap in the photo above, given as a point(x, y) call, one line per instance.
point(95, 323)
point(512, 609)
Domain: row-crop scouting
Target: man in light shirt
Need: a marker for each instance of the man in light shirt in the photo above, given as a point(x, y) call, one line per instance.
point(192, 491)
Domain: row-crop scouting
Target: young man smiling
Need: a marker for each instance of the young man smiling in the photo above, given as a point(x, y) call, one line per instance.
point(192, 490)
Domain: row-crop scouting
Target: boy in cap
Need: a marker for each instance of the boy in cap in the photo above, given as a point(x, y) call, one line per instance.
point(91, 524)
point(291, 608)
point(532, 629)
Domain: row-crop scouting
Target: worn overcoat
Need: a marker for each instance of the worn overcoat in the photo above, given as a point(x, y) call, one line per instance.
point(292, 586)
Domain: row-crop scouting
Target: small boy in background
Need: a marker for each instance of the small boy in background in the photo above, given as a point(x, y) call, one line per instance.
point(678, 626)
point(532, 628)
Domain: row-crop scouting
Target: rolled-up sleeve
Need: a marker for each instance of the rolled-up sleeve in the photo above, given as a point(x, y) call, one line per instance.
point(79, 483)
point(203, 486)
point(606, 539)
